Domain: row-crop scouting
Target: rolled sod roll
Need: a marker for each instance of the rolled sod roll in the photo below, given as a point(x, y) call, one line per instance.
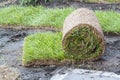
point(83, 38)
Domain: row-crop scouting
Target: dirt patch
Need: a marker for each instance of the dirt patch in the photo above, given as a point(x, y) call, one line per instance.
point(7, 2)
point(11, 43)
point(69, 3)
point(93, 6)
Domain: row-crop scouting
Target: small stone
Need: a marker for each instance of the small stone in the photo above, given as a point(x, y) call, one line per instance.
point(8, 73)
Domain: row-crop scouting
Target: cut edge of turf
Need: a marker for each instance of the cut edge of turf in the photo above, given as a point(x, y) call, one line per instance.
point(30, 27)
point(46, 62)
point(111, 33)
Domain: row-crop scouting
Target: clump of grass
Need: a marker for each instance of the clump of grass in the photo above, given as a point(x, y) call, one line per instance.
point(47, 17)
point(109, 21)
point(33, 16)
point(43, 46)
point(82, 43)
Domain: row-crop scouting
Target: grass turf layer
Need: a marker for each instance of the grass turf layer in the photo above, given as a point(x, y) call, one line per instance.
point(43, 46)
point(33, 16)
point(47, 47)
point(46, 17)
point(83, 43)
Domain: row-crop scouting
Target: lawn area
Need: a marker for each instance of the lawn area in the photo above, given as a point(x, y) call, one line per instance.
point(47, 17)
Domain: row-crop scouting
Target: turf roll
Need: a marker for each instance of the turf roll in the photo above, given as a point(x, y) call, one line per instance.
point(83, 38)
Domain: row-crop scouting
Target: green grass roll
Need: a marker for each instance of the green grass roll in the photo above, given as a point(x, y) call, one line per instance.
point(83, 38)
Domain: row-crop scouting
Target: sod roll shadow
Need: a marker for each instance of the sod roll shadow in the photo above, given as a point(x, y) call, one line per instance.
point(83, 38)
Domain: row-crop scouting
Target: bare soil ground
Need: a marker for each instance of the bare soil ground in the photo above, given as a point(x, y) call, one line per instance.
point(93, 6)
point(68, 3)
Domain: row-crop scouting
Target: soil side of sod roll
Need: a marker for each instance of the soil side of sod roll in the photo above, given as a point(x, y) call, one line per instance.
point(83, 38)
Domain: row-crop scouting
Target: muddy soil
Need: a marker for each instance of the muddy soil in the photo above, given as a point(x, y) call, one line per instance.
point(68, 3)
point(93, 6)
point(11, 43)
